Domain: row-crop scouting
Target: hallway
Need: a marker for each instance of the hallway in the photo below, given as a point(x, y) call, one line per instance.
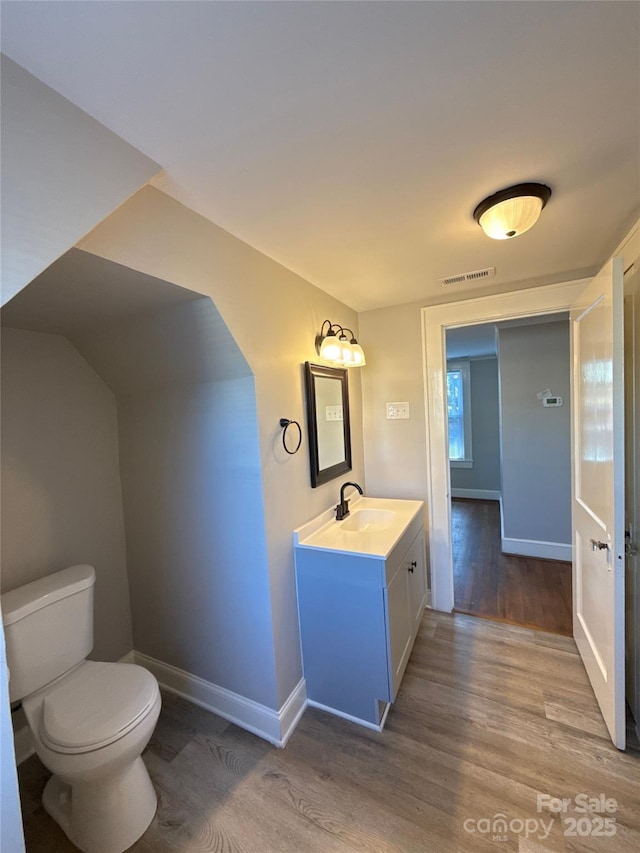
point(521, 590)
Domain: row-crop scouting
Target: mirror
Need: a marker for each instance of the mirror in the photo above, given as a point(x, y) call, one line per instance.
point(327, 422)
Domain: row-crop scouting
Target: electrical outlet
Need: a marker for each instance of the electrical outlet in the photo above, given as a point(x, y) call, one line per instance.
point(397, 411)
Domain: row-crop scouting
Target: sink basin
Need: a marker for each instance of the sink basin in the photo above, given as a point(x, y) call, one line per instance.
point(368, 520)
point(371, 530)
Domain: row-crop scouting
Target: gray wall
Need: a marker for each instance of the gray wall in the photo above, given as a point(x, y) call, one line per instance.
point(536, 441)
point(192, 488)
point(61, 493)
point(485, 430)
point(156, 235)
point(195, 533)
point(395, 450)
point(185, 443)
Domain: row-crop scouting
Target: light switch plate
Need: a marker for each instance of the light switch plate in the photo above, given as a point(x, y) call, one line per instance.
point(333, 413)
point(397, 411)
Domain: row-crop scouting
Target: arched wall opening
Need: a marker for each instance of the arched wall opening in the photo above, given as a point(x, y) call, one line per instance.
point(130, 441)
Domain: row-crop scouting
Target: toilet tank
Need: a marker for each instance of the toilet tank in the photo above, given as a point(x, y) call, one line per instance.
point(48, 626)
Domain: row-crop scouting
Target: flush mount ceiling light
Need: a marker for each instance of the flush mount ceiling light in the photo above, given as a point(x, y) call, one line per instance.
point(338, 348)
point(512, 211)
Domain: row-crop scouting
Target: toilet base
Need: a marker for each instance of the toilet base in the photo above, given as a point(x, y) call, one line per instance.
point(107, 816)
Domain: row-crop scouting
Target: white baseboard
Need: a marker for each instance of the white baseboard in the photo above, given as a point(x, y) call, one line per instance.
point(374, 726)
point(533, 548)
point(477, 494)
point(291, 711)
point(274, 726)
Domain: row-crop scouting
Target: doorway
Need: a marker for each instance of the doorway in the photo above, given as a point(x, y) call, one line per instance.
point(552, 299)
point(509, 437)
point(598, 522)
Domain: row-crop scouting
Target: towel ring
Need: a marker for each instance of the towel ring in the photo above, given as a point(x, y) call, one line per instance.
point(285, 423)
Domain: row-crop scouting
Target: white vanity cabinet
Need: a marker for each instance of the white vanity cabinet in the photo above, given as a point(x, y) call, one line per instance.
point(361, 596)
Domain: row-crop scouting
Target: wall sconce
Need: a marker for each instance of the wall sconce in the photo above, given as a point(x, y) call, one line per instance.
point(510, 212)
point(338, 348)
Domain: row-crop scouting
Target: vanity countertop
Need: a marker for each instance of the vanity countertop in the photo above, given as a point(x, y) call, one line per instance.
point(372, 528)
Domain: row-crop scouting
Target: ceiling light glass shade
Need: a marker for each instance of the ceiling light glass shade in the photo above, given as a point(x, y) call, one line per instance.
point(330, 348)
point(511, 218)
point(358, 356)
point(513, 211)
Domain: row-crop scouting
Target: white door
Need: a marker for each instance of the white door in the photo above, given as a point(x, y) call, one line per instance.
point(598, 490)
point(632, 484)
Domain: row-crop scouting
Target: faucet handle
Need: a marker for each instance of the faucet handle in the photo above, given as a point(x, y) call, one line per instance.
point(342, 510)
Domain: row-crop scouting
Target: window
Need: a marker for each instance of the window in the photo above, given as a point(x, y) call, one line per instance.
point(459, 414)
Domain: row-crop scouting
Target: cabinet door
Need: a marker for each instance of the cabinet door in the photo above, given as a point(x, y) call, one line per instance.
point(399, 627)
point(417, 565)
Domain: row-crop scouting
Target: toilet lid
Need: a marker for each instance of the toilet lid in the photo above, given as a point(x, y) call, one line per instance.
point(95, 705)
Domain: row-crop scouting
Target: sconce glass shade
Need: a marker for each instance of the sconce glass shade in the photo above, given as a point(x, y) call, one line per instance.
point(346, 351)
point(513, 211)
point(358, 355)
point(339, 348)
point(330, 348)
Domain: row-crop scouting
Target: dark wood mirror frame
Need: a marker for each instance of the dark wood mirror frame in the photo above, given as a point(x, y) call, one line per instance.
point(312, 373)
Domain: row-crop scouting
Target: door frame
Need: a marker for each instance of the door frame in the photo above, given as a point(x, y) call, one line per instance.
point(514, 305)
point(632, 487)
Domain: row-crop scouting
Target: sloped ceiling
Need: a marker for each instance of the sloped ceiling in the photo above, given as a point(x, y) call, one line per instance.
point(352, 141)
point(140, 334)
point(81, 290)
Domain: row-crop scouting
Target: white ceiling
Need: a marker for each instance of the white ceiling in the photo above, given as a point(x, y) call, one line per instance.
point(351, 141)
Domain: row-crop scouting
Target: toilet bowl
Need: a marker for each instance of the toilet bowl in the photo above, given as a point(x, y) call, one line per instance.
point(90, 721)
point(89, 729)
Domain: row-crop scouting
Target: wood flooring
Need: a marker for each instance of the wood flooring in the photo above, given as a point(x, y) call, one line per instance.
point(521, 590)
point(488, 717)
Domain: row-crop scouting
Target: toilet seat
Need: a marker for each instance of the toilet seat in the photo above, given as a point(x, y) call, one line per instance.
point(95, 705)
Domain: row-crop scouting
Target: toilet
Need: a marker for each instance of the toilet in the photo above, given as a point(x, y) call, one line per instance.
point(90, 721)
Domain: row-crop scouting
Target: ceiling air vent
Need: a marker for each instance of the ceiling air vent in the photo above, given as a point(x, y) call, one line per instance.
point(489, 272)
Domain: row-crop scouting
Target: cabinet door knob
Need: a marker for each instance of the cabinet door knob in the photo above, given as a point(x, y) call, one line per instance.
point(413, 565)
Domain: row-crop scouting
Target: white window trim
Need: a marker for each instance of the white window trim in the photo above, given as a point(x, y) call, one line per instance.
point(463, 365)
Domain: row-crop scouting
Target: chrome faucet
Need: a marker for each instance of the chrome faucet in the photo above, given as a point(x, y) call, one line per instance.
point(342, 510)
